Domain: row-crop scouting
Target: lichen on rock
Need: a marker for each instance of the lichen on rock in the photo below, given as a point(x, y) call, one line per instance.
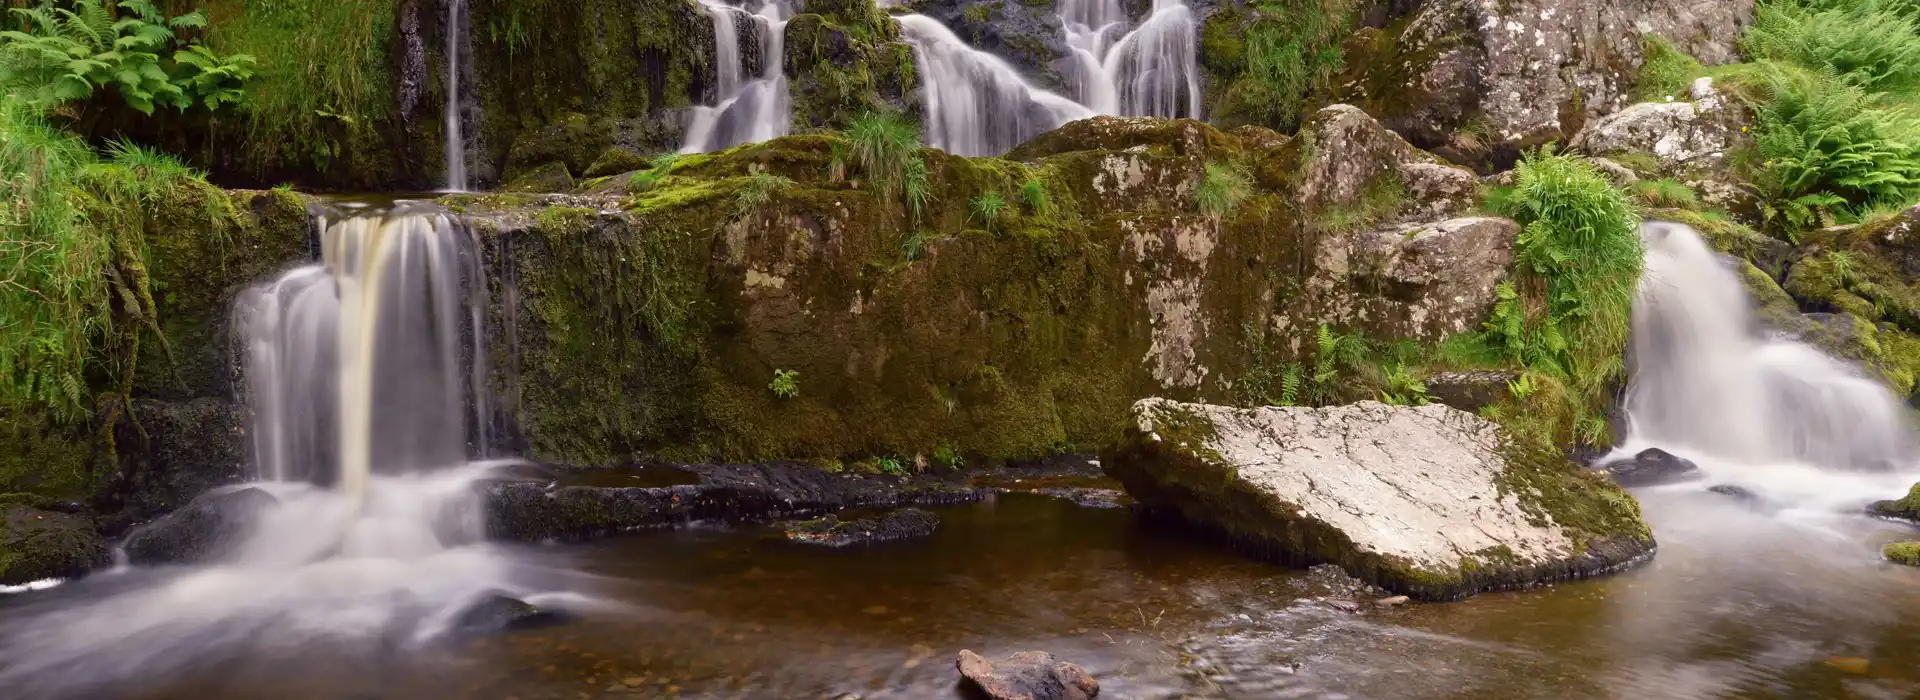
point(1431, 501)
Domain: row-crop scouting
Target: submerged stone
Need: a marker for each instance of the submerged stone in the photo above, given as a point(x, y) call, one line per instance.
point(37, 544)
point(494, 613)
point(208, 529)
point(1428, 501)
point(1651, 467)
point(1028, 675)
point(831, 531)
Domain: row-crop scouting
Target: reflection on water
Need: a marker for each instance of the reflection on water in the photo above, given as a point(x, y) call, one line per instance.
point(1737, 604)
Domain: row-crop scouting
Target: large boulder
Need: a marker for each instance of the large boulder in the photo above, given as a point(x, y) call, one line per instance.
point(1687, 136)
point(38, 544)
point(1479, 80)
point(1028, 675)
point(1430, 501)
point(211, 528)
point(1425, 281)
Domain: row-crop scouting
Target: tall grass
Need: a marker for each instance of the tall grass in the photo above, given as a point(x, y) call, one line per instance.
point(1665, 71)
point(324, 85)
point(1565, 315)
point(886, 148)
point(1221, 191)
point(1292, 49)
point(53, 295)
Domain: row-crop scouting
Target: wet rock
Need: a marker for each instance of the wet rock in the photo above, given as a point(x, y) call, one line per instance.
point(208, 529)
point(1651, 467)
point(1392, 601)
point(1088, 498)
point(1183, 137)
point(38, 544)
point(1688, 136)
point(831, 531)
point(1028, 675)
point(1470, 390)
point(1331, 581)
point(170, 453)
point(495, 613)
point(1420, 501)
point(1479, 81)
point(552, 177)
point(580, 142)
point(1907, 509)
point(538, 511)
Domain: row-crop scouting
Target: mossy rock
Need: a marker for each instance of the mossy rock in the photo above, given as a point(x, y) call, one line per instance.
point(1906, 508)
point(37, 545)
point(1903, 553)
point(549, 178)
point(1438, 505)
point(616, 160)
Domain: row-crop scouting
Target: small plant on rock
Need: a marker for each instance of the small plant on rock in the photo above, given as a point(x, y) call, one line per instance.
point(1039, 201)
point(890, 465)
point(759, 190)
point(1665, 193)
point(660, 167)
point(1221, 191)
point(886, 148)
point(987, 208)
point(786, 383)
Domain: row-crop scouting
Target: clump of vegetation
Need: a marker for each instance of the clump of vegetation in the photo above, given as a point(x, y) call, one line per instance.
point(65, 55)
point(913, 244)
point(890, 465)
point(324, 86)
point(1382, 199)
point(886, 148)
point(657, 169)
point(1292, 50)
point(786, 383)
point(987, 208)
point(1565, 315)
point(1666, 194)
point(1665, 71)
point(758, 190)
point(946, 454)
point(1039, 201)
point(1907, 553)
point(1865, 45)
point(1221, 191)
point(1825, 144)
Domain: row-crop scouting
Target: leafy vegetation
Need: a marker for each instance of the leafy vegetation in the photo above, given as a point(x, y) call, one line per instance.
point(1222, 190)
point(1039, 201)
point(324, 86)
point(1292, 49)
point(886, 148)
point(987, 208)
point(1565, 315)
point(1825, 143)
point(1870, 47)
point(65, 55)
point(1379, 200)
point(890, 465)
point(660, 167)
point(1665, 193)
point(786, 383)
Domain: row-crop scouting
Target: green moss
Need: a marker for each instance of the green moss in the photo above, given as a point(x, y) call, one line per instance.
point(1274, 57)
point(1904, 553)
point(1665, 70)
point(848, 63)
point(1589, 508)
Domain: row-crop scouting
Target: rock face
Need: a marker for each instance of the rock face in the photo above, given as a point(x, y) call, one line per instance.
point(37, 544)
point(1028, 675)
point(831, 531)
point(1471, 390)
point(1432, 280)
point(210, 528)
point(1687, 137)
point(1428, 501)
point(1479, 80)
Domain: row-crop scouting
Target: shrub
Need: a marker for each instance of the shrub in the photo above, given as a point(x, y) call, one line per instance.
point(1577, 265)
point(1221, 191)
point(66, 55)
point(1824, 143)
point(1876, 49)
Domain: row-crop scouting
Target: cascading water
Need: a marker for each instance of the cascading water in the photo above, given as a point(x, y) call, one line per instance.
point(366, 404)
point(455, 133)
point(979, 105)
point(748, 109)
point(1768, 413)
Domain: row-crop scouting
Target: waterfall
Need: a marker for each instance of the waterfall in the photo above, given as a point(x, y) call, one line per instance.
point(356, 363)
point(1707, 381)
point(747, 110)
point(979, 105)
point(455, 134)
point(976, 103)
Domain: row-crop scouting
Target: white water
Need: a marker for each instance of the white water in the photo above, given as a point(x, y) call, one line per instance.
point(363, 415)
point(1814, 438)
point(748, 109)
point(979, 105)
point(455, 134)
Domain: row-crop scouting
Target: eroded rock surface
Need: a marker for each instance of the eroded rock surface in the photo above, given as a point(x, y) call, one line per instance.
point(1028, 675)
point(1686, 136)
point(1428, 501)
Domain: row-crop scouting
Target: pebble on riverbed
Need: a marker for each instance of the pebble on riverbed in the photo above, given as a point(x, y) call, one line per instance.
point(831, 531)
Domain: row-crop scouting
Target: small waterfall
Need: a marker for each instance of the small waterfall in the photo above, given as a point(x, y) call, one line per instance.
point(979, 105)
point(455, 134)
point(748, 110)
point(367, 361)
point(976, 103)
point(1707, 382)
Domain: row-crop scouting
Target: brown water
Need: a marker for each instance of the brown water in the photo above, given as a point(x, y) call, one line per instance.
point(1735, 605)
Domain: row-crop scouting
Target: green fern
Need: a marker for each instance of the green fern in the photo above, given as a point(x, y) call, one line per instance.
point(65, 55)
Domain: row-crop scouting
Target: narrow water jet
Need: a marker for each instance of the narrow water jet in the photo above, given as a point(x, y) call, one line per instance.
point(455, 133)
point(747, 109)
point(1708, 380)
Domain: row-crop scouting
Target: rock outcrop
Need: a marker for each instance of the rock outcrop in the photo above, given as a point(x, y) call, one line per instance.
point(36, 545)
point(1685, 136)
point(1028, 675)
point(1430, 502)
point(1479, 80)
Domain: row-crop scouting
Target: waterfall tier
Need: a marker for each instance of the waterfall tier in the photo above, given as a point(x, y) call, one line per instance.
point(749, 108)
